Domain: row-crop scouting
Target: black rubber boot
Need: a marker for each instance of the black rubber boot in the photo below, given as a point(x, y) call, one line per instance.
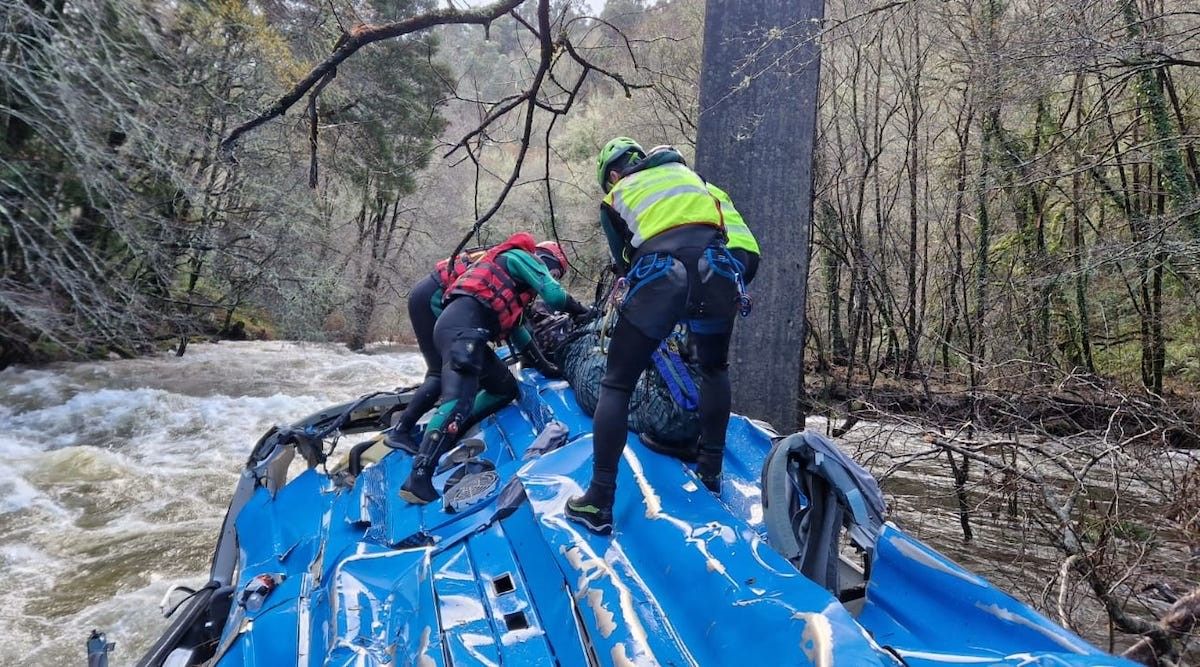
point(418, 488)
point(593, 509)
point(708, 468)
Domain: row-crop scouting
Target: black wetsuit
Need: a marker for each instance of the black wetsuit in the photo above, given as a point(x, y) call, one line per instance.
point(423, 313)
point(749, 261)
point(469, 363)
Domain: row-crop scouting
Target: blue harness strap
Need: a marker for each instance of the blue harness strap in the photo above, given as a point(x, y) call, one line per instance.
point(675, 373)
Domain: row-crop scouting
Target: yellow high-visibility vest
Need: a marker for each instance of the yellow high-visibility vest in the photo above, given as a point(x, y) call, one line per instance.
point(737, 232)
point(660, 198)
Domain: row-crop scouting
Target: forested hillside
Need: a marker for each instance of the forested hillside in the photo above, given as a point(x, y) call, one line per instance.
point(1006, 191)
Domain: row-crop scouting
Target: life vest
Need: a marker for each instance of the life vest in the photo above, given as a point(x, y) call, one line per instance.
point(445, 277)
point(656, 199)
point(737, 232)
point(490, 284)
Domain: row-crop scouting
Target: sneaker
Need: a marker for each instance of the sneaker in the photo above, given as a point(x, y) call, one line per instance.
point(401, 439)
point(418, 488)
point(596, 518)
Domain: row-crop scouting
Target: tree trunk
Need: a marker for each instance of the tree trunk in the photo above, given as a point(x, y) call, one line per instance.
point(771, 116)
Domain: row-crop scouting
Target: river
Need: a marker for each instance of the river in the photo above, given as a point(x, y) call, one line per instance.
point(119, 472)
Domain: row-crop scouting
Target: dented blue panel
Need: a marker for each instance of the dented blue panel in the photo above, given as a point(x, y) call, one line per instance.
point(384, 609)
point(277, 527)
point(677, 585)
point(915, 594)
point(516, 623)
point(368, 499)
point(687, 578)
point(467, 632)
point(547, 587)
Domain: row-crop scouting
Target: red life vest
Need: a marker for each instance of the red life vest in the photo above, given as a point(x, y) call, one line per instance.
point(445, 277)
point(490, 284)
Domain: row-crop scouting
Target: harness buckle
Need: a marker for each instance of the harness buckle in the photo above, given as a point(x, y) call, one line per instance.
point(620, 289)
point(745, 304)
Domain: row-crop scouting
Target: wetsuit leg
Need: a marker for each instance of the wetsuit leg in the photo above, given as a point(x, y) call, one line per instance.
point(657, 299)
point(711, 311)
point(465, 349)
point(629, 355)
point(462, 334)
point(420, 314)
point(498, 389)
point(712, 354)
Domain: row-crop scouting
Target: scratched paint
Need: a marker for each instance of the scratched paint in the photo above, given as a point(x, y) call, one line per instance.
point(817, 640)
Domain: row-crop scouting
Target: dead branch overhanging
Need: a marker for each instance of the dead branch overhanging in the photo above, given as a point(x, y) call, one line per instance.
point(349, 43)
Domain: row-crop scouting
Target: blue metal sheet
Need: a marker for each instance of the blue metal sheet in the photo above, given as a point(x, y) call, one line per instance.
point(384, 610)
point(278, 526)
point(915, 594)
point(548, 589)
point(369, 505)
point(259, 645)
point(467, 632)
point(687, 578)
point(673, 585)
point(515, 622)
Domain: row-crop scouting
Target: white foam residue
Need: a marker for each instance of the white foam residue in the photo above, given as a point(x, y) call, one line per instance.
point(1063, 639)
point(817, 640)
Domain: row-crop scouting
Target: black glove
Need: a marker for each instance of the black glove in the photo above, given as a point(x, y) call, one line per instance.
point(573, 307)
point(589, 314)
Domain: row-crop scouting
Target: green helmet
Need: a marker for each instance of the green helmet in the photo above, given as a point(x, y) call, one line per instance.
point(612, 152)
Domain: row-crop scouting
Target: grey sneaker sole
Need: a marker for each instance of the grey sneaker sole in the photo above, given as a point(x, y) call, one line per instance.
point(414, 499)
point(584, 520)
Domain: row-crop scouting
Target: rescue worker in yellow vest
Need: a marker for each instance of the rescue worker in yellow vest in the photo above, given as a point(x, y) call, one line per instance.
point(738, 238)
point(665, 233)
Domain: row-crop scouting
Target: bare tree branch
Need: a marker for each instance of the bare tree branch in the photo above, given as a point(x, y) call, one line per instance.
point(349, 43)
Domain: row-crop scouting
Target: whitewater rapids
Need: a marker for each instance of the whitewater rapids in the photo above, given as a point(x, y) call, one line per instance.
point(117, 475)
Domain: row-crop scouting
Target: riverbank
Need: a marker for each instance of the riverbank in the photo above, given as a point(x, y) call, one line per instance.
point(1072, 406)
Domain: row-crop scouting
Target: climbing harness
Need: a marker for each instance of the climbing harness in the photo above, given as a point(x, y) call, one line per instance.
point(727, 266)
point(615, 298)
point(675, 375)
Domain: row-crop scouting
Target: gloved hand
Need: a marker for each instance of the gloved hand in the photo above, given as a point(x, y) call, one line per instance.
point(573, 307)
point(589, 314)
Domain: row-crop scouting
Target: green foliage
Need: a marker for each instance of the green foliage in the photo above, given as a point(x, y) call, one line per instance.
point(127, 226)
